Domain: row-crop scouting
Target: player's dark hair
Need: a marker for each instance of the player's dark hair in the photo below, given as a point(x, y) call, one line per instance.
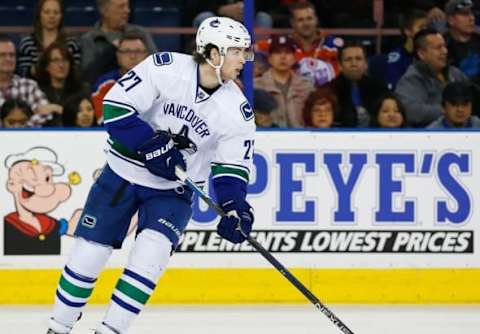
point(201, 58)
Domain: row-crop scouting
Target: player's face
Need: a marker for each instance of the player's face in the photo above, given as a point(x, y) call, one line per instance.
point(233, 63)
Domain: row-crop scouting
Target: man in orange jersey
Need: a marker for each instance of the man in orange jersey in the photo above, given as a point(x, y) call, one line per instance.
point(316, 53)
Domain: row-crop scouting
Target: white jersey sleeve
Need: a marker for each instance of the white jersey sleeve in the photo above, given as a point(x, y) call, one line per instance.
point(137, 90)
point(234, 153)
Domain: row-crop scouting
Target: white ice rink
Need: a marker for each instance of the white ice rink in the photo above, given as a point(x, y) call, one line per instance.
point(274, 319)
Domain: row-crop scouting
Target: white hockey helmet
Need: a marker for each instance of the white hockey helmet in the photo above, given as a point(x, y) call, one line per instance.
point(224, 33)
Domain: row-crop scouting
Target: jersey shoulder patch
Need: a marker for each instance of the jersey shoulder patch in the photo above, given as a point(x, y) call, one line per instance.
point(247, 111)
point(162, 58)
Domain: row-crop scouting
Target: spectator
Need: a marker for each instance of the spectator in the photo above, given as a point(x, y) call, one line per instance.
point(99, 45)
point(457, 100)
point(57, 76)
point(47, 29)
point(320, 109)
point(79, 112)
point(13, 86)
point(463, 42)
point(15, 113)
point(388, 112)
point(435, 15)
point(260, 64)
point(200, 10)
point(289, 89)
point(263, 106)
point(132, 49)
point(395, 64)
point(355, 90)
point(420, 89)
point(316, 53)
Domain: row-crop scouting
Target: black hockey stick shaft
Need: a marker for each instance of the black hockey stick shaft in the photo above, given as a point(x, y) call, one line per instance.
point(268, 256)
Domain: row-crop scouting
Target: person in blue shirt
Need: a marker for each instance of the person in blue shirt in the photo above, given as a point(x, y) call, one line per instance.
point(392, 66)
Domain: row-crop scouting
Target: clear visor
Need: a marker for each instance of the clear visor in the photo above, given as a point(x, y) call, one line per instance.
point(247, 53)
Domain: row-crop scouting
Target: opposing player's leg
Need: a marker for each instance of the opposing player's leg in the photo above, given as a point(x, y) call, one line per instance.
point(103, 225)
point(162, 219)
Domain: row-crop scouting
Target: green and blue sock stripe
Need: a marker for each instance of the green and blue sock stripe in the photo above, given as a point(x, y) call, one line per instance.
point(132, 291)
point(74, 289)
point(114, 111)
point(237, 171)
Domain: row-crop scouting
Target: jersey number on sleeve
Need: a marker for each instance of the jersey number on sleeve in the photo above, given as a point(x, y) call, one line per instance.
point(249, 145)
point(130, 80)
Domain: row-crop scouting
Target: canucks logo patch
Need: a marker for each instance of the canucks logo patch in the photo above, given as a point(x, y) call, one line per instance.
point(201, 95)
point(246, 110)
point(89, 221)
point(162, 58)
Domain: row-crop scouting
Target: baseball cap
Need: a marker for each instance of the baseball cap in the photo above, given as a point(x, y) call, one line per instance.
point(279, 42)
point(454, 6)
point(263, 101)
point(457, 92)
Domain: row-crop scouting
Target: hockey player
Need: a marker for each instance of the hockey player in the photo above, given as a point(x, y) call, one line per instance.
point(171, 109)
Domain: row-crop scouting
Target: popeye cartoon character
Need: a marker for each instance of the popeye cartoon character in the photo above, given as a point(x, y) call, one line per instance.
point(29, 229)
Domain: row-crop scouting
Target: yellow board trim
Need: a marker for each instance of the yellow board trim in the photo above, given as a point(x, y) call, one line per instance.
point(237, 286)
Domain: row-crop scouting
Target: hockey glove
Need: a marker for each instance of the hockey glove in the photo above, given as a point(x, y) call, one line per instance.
point(238, 216)
point(160, 156)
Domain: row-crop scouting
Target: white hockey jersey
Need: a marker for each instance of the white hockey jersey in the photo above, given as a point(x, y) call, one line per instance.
point(164, 91)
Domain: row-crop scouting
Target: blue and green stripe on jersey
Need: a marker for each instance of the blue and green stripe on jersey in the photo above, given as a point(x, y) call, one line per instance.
point(74, 289)
point(132, 291)
point(114, 111)
point(237, 171)
point(123, 152)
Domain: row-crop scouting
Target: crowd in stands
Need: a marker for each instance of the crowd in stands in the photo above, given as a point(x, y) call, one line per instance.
point(427, 79)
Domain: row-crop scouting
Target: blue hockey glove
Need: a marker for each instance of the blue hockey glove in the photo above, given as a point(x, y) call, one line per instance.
point(160, 156)
point(239, 216)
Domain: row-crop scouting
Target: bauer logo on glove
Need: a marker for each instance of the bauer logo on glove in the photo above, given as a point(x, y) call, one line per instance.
point(160, 151)
point(161, 156)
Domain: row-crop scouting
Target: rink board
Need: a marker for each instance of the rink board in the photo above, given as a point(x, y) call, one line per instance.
point(360, 217)
point(250, 286)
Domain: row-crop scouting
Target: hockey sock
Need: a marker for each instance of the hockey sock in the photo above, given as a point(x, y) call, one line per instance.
point(147, 262)
point(78, 279)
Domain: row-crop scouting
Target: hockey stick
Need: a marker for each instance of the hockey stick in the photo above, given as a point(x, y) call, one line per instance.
point(267, 255)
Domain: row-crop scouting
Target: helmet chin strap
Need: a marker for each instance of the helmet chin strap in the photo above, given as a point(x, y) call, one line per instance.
point(217, 68)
